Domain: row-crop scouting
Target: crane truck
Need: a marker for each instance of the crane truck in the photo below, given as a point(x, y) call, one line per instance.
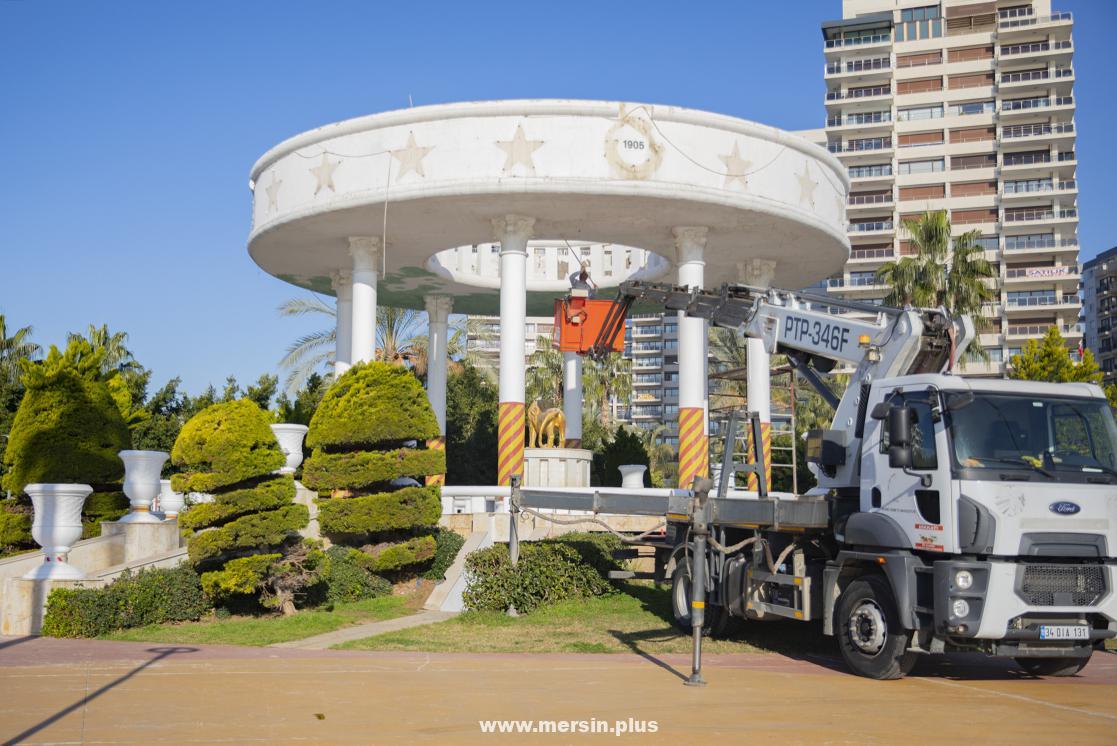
point(950, 513)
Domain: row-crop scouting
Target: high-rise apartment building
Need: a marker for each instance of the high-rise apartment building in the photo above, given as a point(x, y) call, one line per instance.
point(965, 107)
point(1099, 310)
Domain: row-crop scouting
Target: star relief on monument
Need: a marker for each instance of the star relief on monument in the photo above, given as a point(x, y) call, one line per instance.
point(273, 192)
point(736, 168)
point(411, 157)
point(807, 186)
point(518, 151)
point(324, 174)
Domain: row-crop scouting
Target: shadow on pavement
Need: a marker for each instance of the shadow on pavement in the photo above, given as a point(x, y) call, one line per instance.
point(17, 641)
point(632, 640)
point(160, 654)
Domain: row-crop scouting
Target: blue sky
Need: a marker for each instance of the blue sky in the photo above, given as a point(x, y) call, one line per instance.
point(129, 129)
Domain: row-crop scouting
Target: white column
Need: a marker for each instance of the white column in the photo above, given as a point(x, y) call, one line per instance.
point(513, 232)
point(690, 245)
point(438, 337)
point(758, 380)
point(365, 251)
point(342, 283)
point(572, 398)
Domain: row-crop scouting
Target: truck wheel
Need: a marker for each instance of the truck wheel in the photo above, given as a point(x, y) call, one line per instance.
point(718, 621)
point(1053, 666)
point(872, 640)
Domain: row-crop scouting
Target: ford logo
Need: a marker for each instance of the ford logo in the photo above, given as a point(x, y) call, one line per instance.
point(1064, 508)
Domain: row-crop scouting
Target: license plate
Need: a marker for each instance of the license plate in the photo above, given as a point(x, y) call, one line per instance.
point(1064, 632)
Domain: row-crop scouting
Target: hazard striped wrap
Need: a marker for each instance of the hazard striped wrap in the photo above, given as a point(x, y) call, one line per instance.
point(436, 444)
point(766, 440)
point(510, 441)
point(694, 445)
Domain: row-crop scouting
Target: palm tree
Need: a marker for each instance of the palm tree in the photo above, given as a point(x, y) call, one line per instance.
point(605, 380)
point(661, 457)
point(13, 349)
point(115, 345)
point(544, 373)
point(309, 352)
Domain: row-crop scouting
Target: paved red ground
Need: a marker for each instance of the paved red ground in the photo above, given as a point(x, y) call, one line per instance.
point(65, 691)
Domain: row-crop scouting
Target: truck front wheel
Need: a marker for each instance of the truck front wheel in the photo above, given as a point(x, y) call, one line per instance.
point(718, 623)
point(1053, 666)
point(872, 640)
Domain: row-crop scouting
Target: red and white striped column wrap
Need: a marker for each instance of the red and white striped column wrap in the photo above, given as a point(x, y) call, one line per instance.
point(510, 441)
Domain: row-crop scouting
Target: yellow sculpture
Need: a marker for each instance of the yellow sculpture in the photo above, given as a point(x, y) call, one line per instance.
point(547, 428)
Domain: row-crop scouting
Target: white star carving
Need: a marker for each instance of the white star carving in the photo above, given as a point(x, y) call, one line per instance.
point(324, 174)
point(410, 158)
point(806, 186)
point(736, 167)
point(519, 150)
point(273, 192)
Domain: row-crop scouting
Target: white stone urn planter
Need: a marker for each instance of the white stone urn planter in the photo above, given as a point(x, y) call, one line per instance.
point(141, 483)
point(170, 502)
point(56, 526)
point(290, 439)
point(632, 476)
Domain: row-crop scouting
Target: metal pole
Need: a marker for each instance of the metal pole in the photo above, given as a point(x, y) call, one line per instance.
point(513, 532)
point(698, 585)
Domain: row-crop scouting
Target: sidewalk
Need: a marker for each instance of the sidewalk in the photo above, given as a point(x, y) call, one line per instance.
point(359, 631)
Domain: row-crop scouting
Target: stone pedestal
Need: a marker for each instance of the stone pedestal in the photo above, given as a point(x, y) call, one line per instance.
point(557, 467)
point(144, 539)
point(25, 600)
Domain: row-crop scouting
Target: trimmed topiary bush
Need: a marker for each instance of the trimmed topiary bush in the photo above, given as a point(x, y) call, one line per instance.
point(15, 527)
point(447, 545)
point(69, 429)
point(549, 571)
point(149, 597)
point(368, 437)
point(246, 540)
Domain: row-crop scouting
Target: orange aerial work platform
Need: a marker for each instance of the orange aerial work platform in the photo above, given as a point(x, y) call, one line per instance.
point(588, 326)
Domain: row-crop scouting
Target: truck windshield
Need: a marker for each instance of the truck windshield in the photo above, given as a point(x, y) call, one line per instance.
point(1055, 436)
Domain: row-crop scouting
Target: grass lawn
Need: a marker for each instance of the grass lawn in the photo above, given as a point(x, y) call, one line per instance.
point(266, 630)
point(638, 619)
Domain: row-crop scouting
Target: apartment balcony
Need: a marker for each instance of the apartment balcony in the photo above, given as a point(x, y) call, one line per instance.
point(1018, 332)
point(1050, 247)
point(644, 384)
point(1043, 303)
point(1031, 106)
point(643, 397)
point(871, 175)
point(863, 122)
point(1009, 27)
point(646, 330)
point(871, 229)
point(1041, 51)
point(863, 69)
point(871, 256)
point(862, 203)
point(835, 47)
point(1022, 278)
point(646, 348)
point(1032, 217)
point(1061, 165)
point(1060, 132)
point(981, 367)
point(874, 95)
point(1060, 77)
point(1012, 191)
point(873, 147)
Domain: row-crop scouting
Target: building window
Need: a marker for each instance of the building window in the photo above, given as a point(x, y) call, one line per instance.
point(922, 167)
point(919, 23)
point(919, 112)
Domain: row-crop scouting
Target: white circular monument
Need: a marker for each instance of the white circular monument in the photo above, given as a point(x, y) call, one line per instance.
point(437, 207)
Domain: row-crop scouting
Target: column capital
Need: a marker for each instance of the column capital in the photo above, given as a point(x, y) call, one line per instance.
point(366, 252)
point(757, 272)
point(438, 307)
point(516, 230)
point(341, 280)
point(690, 242)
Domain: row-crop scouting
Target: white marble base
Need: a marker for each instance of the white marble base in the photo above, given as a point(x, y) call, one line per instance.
point(557, 467)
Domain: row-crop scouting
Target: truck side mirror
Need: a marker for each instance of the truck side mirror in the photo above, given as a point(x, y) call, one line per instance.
point(899, 437)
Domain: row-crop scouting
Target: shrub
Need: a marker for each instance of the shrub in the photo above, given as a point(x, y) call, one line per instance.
point(224, 444)
point(625, 448)
point(102, 506)
point(347, 580)
point(149, 597)
point(67, 428)
point(238, 577)
point(360, 433)
point(447, 544)
point(549, 571)
point(372, 403)
point(254, 532)
point(15, 525)
point(389, 511)
point(356, 469)
point(267, 495)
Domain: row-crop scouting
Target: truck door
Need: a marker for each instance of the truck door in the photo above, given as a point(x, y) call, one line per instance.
point(919, 498)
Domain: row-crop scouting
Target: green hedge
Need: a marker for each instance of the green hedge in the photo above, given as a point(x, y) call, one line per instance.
point(99, 507)
point(256, 531)
point(356, 469)
point(15, 526)
point(447, 545)
point(387, 511)
point(150, 597)
point(568, 567)
point(268, 495)
point(372, 403)
point(223, 445)
point(395, 557)
point(238, 577)
point(67, 428)
point(347, 580)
